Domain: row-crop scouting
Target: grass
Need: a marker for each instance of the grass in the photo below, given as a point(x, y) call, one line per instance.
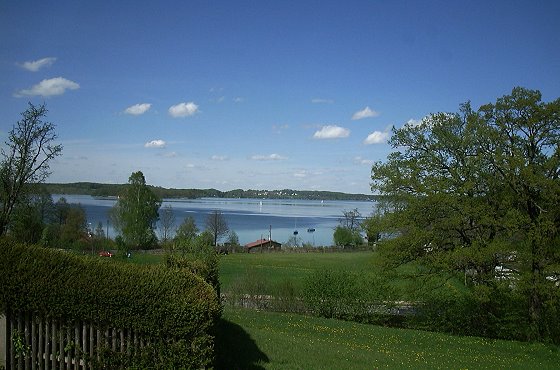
point(276, 267)
point(250, 339)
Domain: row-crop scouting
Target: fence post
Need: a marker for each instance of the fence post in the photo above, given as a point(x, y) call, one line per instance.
point(3, 340)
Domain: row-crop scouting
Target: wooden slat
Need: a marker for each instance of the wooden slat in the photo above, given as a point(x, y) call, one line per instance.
point(10, 326)
point(20, 330)
point(34, 344)
point(84, 344)
point(46, 350)
point(54, 342)
point(60, 346)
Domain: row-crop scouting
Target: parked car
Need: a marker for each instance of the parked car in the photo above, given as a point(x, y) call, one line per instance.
point(105, 254)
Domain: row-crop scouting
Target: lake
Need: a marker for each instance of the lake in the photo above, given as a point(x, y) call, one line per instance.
point(251, 219)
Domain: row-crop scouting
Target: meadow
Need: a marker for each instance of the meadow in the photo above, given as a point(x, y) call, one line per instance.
point(257, 339)
point(273, 268)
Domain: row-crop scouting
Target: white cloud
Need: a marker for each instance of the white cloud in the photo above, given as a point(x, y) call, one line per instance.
point(279, 128)
point(36, 65)
point(377, 137)
point(365, 113)
point(331, 132)
point(360, 160)
point(414, 122)
point(238, 99)
point(171, 155)
point(183, 109)
point(322, 101)
point(301, 174)
point(271, 157)
point(159, 144)
point(50, 87)
point(138, 109)
point(219, 158)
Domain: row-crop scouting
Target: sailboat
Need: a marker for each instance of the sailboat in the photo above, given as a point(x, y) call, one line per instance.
point(295, 227)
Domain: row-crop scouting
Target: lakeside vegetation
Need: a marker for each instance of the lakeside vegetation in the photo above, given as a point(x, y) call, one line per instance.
point(113, 190)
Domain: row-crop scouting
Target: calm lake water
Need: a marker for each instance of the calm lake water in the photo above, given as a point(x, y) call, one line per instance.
point(249, 218)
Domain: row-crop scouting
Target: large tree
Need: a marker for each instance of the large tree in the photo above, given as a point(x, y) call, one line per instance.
point(217, 225)
point(26, 158)
point(136, 212)
point(470, 191)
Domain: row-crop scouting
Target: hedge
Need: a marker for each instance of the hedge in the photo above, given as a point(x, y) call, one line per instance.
point(177, 310)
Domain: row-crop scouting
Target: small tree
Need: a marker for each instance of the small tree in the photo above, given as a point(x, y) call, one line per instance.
point(99, 232)
point(232, 238)
point(373, 227)
point(217, 226)
point(293, 241)
point(186, 233)
point(345, 237)
point(74, 228)
point(26, 159)
point(351, 219)
point(166, 223)
point(26, 224)
point(136, 213)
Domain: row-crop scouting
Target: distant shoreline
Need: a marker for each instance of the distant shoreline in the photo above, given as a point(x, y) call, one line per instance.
point(113, 190)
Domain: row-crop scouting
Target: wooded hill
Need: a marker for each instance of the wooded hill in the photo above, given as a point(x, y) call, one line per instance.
point(106, 190)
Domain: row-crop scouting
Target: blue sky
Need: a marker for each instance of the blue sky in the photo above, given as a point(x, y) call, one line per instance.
point(259, 94)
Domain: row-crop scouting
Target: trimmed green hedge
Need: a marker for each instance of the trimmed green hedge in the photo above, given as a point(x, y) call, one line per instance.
point(204, 265)
point(163, 304)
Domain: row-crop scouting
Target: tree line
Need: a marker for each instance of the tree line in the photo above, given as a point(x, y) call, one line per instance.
point(113, 190)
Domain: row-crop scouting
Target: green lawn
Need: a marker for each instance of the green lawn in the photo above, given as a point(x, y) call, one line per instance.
point(275, 267)
point(252, 339)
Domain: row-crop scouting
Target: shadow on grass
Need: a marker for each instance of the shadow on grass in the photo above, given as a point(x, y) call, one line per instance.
point(235, 349)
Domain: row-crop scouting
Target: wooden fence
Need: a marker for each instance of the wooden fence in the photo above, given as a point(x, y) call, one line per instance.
point(32, 342)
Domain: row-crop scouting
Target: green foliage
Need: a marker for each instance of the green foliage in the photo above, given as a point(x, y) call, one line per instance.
point(185, 235)
point(26, 224)
point(373, 227)
point(478, 191)
point(488, 311)
point(74, 228)
point(346, 237)
point(203, 263)
point(136, 213)
point(348, 296)
point(175, 308)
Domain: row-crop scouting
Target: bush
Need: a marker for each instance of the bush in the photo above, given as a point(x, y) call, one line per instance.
point(348, 296)
point(345, 237)
point(204, 264)
point(176, 310)
point(494, 311)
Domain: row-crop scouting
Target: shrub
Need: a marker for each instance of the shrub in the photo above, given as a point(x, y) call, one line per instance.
point(494, 311)
point(348, 296)
point(204, 264)
point(175, 310)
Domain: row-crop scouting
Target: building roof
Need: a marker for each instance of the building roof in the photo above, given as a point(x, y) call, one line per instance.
point(260, 243)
